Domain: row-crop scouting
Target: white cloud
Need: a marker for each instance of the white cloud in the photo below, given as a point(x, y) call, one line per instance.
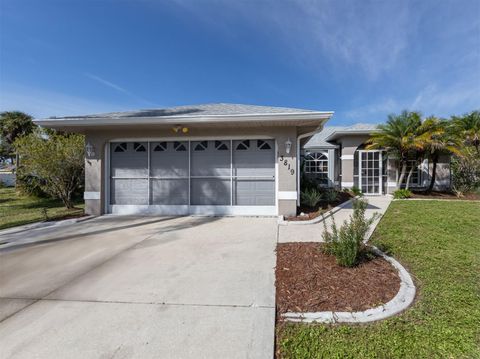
point(368, 35)
point(118, 88)
point(445, 101)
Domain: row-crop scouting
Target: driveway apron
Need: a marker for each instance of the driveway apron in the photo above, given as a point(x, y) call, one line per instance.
point(141, 287)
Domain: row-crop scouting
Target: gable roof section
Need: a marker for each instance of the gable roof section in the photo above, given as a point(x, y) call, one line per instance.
point(206, 113)
point(212, 109)
point(326, 138)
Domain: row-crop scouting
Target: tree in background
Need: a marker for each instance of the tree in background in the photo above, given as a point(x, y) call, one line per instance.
point(400, 138)
point(13, 125)
point(467, 128)
point(57, 160)
point(466, 171)
point(437, 138)
point(466, 164)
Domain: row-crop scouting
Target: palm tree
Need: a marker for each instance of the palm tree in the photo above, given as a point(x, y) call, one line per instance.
point(399, 137)
point(437, 138)
point(467, 128)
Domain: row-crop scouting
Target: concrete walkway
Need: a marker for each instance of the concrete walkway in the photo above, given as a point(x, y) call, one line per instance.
point(289, 232)
point(141, 287)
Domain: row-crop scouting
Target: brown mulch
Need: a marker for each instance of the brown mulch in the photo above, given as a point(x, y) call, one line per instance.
point(307, 280)
point(446, 195)
point(321, 207)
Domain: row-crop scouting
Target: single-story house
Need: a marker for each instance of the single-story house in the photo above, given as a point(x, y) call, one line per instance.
point(336, 157)
point(219, 159)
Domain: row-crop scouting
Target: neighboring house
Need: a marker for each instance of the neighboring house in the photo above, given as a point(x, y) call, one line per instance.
point(215, 159)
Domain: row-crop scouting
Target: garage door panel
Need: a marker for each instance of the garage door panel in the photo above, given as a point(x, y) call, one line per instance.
point(169, 159)
point(129, 191)
point(210, 191)
point(210, 158)
point(169, 191)
point(129, 159)
point(254, 158)
point(254, 192)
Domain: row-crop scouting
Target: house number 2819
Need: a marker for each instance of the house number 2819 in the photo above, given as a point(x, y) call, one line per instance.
point(286, 163)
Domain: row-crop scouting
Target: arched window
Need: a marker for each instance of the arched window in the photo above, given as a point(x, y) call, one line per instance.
point(316, 162)
point(179, 147)
point(316, 166)
point(138, 147)
point(244, 145)
point(263, 145)
point(201, 146)
point(221, 146)
point(162, 146)
point(121, 147)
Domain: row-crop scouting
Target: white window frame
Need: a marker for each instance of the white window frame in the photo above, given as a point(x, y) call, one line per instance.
point(380, 169)
point(325, 175)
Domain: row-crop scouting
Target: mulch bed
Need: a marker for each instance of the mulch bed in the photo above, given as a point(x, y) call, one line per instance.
point(307, 280)
point(321, 207)
point(446, 195)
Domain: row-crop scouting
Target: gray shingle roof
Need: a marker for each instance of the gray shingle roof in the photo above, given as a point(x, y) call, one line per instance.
point(213, 109)
point(320, 139)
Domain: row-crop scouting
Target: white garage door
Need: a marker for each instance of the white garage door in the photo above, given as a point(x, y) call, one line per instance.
point(199, 177)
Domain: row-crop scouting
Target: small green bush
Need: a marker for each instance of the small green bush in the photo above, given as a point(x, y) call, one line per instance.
point(330, 195)
point(402, 194)
point(310, 197)
point(346, 243)
point(356, 191)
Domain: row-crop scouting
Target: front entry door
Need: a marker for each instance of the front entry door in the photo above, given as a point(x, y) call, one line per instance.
point(370, 165)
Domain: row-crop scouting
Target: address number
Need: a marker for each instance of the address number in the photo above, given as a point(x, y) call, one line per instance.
point(286, 163)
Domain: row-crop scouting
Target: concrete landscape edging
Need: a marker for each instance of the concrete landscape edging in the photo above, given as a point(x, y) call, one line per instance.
point(399, 303)
point(402, 300)
point(437, 199)
point(283, 222)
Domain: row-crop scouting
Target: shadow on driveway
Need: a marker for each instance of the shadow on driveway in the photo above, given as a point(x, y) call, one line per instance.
point(182, 225)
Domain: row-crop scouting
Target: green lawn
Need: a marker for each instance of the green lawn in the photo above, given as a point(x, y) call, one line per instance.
point(439, 242)
point(16, 210)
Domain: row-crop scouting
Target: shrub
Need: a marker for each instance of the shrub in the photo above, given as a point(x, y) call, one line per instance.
point(311, 197)
point(346, 243)
point(330, 195)
point(466, 171)
point(57, 160)
point(402, 194)
point(356, 191)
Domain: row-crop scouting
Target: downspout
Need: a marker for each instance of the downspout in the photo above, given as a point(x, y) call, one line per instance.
point(299, 138)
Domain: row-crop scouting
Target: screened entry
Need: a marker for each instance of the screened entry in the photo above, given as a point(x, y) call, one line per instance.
point(204, 177)
point(371, 172)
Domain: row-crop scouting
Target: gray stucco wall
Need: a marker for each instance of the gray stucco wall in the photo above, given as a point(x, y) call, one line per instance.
point(95, 195)
point(349, 145)
point(344, 171)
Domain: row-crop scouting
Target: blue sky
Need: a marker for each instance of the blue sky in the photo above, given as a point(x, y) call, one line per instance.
point(361, 59)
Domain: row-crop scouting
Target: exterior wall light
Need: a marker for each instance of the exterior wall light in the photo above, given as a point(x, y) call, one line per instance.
point(90, 149)
point(180, 128)
point(288, 146)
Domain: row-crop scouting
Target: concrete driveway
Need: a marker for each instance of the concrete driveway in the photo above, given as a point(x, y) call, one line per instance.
point(145, 287)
